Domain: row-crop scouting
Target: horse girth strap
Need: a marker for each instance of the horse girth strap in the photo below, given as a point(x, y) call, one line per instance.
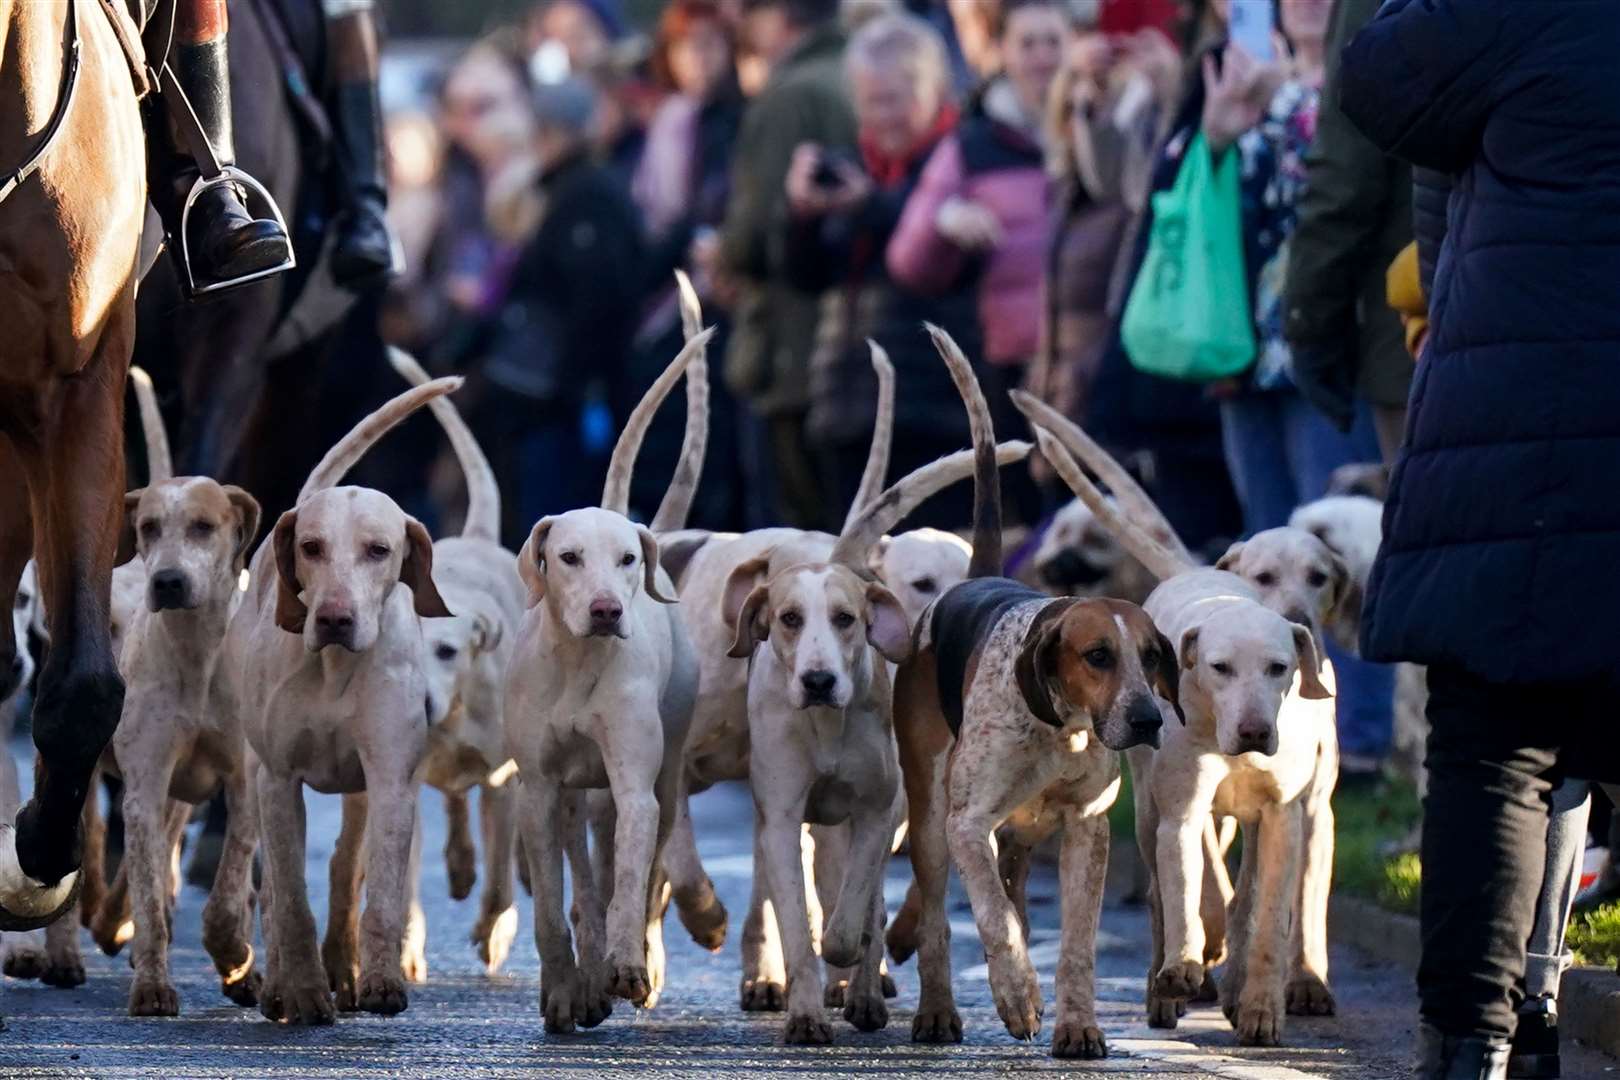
point(64, 101)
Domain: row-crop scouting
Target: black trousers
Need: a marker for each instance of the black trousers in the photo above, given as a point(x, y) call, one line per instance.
point(1495, 754)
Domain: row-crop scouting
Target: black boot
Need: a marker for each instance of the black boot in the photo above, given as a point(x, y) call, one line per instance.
point(1535, 1042)
point(224, 242)
point(1444, 1057)
point(364, 249)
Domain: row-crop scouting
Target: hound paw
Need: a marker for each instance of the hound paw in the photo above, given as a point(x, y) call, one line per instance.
point(1259, 1023)
point(866, 1012)
point(807, 1031)
point(1074, 1039)
point(763, 995)
point(153, 997)
point(629, 981)
point(493, 935)
point(1310, 996)
point(462, 864)
point(1179, 980)
point(901, 937)
point(593, 1003)
point(308, 1004)
point(1017, 994)
point(1210, 992)
point(244, 991)
point(557, 999)
point(383, 994)
point(64, 973)
point(1162, 1013)
point(890, 990)
point(111, 935)
point(832, 996)
point(344, 981)
point(936, 1026)
point(704, 917)
point(413, 961)
point(25, 962)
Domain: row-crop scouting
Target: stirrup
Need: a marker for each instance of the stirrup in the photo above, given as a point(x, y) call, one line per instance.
point(252, 189)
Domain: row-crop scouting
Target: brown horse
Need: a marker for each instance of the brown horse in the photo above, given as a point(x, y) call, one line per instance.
point(69, 234)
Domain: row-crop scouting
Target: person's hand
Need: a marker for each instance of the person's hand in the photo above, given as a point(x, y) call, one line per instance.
point(1235, 98)
point(968, 224)
point(1325, 374)
point(806, 198)
point(1092, 56)
point(1150, 52)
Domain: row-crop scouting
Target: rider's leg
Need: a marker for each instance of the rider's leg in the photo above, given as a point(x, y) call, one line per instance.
point(225, 240)
point(364, 247)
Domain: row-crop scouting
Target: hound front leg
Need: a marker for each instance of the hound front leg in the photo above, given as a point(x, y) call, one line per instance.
point(390, 822)
point(1083, 868)
point(561, 994)
point(1308, 993)
point(635, 847)
point(296, 989)
point(764, 974)
point(1013, 984)
point(589, 913)
point(701, 911)
point(228, 915)
point(460, 857)
point(146, 790)
point(340, 951)
point(1262, 1003)
point(849, 940)
point(784, 865)
point(497, 915)
point(413, 949)
point(1179, 880)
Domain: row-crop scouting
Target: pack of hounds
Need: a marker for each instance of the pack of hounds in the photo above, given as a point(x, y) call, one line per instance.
point(866, 686)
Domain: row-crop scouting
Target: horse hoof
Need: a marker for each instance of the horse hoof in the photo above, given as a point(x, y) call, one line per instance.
point(27, 904)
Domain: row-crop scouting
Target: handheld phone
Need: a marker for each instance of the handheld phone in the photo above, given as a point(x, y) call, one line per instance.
point(1250, 24)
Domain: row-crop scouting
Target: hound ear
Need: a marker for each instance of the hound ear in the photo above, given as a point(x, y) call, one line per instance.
point(1166, 676)
point(740, 586)
point(417, 571)
point(1036, 665)
point(127, 546)
point(489, 632)
point(1344, 611)
point(1310, 681)
point(887, 629)
point(247, 523)
point(753, 625)
point(1189, 649)
point(1229, 561)
point(290, 611)
point(875, 557)
point(531, 560)
point(649, 564)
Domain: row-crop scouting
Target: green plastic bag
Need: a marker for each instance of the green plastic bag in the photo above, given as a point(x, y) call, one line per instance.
point(1188, 316)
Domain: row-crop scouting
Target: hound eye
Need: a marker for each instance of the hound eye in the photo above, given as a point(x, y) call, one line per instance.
point(627, 559)
point(311, 549)
point(446, 653)
point(1276, 670)
point(1265, 580)
point(203, 528)
point(151, 530)
point(569, 558)
point(1100, 658)
point(377, 552)
point(843, 620)
point(924, 585)
point(1222, 668)
point(792, 620)
point(1316, 579)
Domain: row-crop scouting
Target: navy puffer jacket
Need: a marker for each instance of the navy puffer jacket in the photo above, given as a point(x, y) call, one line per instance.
point(1502, 532)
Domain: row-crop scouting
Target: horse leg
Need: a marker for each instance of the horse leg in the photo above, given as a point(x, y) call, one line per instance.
point(75, 476)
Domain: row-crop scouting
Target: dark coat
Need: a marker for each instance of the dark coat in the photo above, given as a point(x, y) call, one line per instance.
point(1502, 530)
point(1431, 191)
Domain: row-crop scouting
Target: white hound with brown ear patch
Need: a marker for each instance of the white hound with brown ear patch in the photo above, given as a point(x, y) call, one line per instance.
point(599, 695)
point(468, 655)
point(1257, 712)
point(328, 670)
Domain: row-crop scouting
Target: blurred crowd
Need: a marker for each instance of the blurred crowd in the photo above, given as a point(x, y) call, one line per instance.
point(831, 172)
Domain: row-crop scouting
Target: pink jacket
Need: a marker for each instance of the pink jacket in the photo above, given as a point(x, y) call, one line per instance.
point(1000, 167)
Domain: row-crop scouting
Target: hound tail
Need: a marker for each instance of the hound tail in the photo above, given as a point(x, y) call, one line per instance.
point(910, 491)
point(877, 455)
point(353, 446)
point(1138, 505)
point(483, 494)
point(1153, 555)
point(677, 502)
point(986, 561)
point(159, 463)
point(616, 490)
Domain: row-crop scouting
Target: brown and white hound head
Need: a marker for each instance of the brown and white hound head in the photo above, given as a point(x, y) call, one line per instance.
point(339, 556)
point(1100, 663)
point(587, 566)
point(193, 536)
point(822, 621)
point(1352, 527)
point(1296, 574)
point(1244, 659)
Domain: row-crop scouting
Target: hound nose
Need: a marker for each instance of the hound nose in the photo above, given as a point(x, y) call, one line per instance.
point(1145, 721)
point(818, 685)
point(334, 626)
point(605, 614)
point(168, 589)
point(1298, 615)
point(1254, 736)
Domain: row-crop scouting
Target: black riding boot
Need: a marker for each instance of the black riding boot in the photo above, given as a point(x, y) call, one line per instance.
point(224, 241)
point(364, 249)
point(1445, 1057)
